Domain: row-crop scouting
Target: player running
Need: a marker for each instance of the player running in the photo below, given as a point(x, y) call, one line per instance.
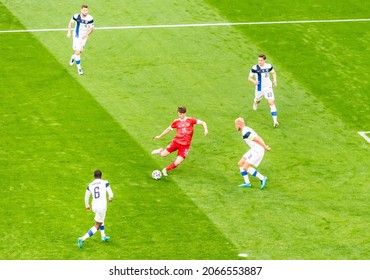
point(254, 156)
point(98, 189)
point(259, 75)
point(184, 134)
point(84, 26)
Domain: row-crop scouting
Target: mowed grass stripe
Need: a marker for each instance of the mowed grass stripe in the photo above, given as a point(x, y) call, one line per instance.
point(53, 136)
point(152, 71)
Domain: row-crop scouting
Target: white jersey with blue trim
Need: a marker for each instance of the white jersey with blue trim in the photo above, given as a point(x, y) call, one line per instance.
point(99, 188)
point(248, 135)
point(262, 75)
point(82, 25)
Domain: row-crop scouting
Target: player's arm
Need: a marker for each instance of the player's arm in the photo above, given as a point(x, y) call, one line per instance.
point(87, 198)
point(251, 79)
point(69, 28)
point(204, 124)
point(91, 30)
point(274, 77)
point(260, 142)
point(110, 193)
point(166, 131)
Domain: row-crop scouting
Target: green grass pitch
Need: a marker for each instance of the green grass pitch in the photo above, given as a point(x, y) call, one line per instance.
point(57, 127)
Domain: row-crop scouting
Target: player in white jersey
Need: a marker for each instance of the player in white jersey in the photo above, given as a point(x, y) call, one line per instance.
point(254, 156)
point(84, 26)
point(259, 75)
point(98, 189)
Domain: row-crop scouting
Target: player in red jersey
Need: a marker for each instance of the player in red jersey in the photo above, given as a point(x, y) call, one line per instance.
point(181, 142)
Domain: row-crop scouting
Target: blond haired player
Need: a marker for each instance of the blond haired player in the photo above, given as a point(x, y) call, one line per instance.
point(254, 156)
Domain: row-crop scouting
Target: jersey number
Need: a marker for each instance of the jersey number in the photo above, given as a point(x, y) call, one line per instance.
point(96, 192)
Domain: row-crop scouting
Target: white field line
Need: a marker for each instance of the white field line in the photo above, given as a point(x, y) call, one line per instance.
point(195, 25)
point(363, 134)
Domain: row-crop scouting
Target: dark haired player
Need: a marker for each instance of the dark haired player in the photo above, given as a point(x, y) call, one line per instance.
point(181, 142)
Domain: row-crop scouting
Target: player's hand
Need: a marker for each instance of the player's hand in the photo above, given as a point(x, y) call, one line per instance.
point(156, 137)
point(88, 208)
point(110, 200)
point(68, 34)
point(205, 132)
point(256, 83)
point(275, 83)
point(267, 148)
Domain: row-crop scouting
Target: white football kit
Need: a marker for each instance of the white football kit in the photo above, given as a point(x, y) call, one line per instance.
point(264, 87)
point(255, 155)
point(82, 26)
point(98, 189)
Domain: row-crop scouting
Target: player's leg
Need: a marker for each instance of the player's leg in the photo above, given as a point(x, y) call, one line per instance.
point(255, 173)
point(254, 160)
point(257, 99)
point(102, 231)
point(271, 100)
point(91, 231)
point(78, 62)
point(99, 219)
point(165, 152)
point(88, 234)
point(243, 171)
point(77, 47)
point(177, 162)
point(161, 151)
point(80, 47)
point(157, 151)
point(182, 152)
point(273, 112)
point(72, 60)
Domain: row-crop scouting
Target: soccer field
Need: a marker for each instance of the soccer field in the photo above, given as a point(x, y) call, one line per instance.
point(143, 60)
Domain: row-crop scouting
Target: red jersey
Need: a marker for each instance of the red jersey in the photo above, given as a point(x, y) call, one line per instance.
point(184, 130)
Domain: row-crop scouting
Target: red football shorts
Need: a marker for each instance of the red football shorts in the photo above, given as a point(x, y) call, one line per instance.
point(182, 150)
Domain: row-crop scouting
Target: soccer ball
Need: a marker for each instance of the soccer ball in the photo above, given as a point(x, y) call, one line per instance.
point(156, 174)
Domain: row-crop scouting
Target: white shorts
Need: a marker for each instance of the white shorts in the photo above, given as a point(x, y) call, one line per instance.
point(268, 93)
point(254, 157)
point(79, 43)
point(99, 215)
